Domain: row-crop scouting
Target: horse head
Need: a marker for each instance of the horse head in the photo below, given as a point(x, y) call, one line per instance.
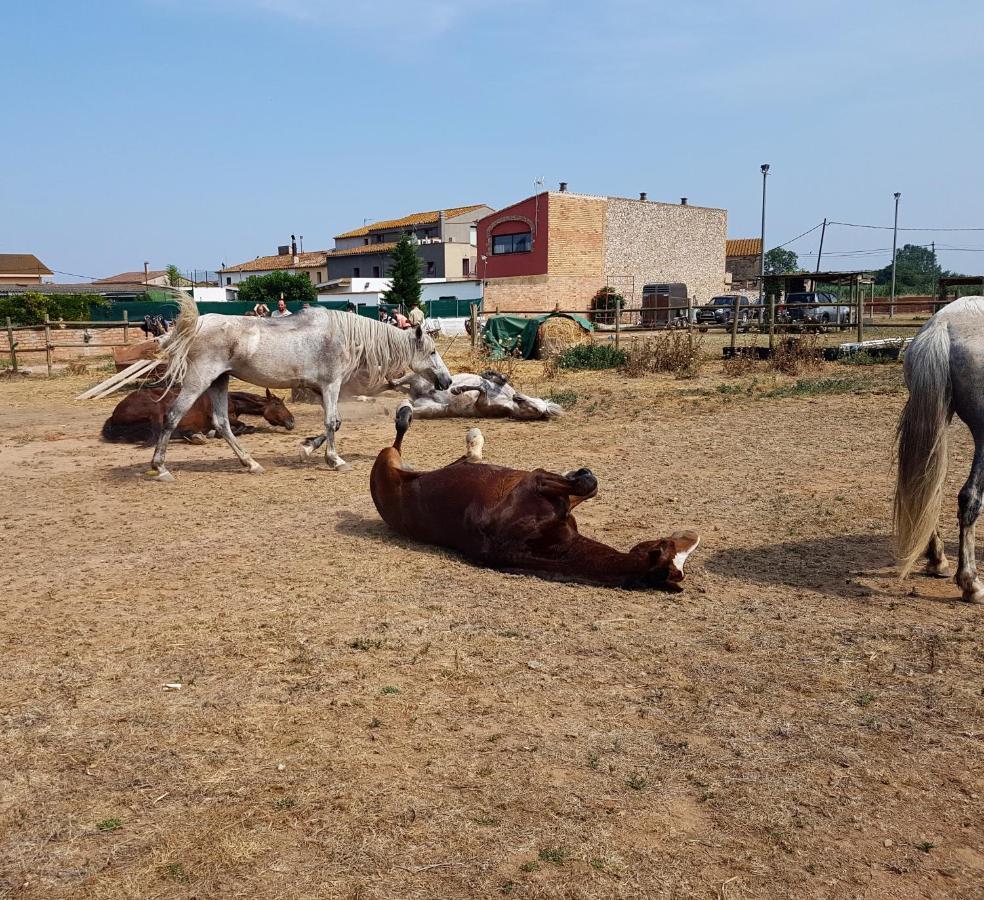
point(276, 413)
point(426, 361)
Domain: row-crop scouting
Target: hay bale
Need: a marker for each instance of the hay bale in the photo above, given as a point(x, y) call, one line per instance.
point(558, 333)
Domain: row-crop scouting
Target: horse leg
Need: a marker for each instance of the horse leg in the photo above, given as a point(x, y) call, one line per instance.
point(329, 400)
point(218, 393)
point(969, 509)
point(193, 387)
point(937, 564)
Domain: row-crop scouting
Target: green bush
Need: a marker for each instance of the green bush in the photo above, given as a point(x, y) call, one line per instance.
point(30, 308)
point(296, 288)
point(592, 356)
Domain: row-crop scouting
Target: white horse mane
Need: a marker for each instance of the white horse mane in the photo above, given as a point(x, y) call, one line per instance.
point(379, 350)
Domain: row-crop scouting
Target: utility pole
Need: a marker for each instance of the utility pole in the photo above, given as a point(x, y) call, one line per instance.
point(820, 251)
point(895, 236)
point(772, 303)
point(146, 273)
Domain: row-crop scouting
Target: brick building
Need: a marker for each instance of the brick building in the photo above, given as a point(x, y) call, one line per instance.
point(558, 248)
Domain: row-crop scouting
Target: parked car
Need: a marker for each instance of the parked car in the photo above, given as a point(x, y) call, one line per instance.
point(796, 308)
point(721, 310)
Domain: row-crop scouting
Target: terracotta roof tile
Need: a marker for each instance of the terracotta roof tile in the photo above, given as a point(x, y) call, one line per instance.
point(364, 250)
point(421, 218)
point(130, 277)
point(22, 264)
point(280, 261)
point(743, 247)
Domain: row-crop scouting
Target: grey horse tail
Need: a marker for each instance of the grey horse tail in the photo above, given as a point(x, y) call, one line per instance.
point(177, 342)
point(921, 442)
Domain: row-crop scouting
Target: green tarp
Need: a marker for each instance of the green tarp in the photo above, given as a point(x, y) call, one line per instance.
point(504, 335)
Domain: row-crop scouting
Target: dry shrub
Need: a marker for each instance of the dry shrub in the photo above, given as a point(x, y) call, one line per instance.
point(551, 367)
point(740, 364)
point(795, 355)
point(78, 367)
point(676, 352)
point(557, 334)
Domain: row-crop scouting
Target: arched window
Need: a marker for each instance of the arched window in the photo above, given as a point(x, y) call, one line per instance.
point(512, 237)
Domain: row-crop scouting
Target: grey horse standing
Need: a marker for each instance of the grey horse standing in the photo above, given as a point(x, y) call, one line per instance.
point(315, 348)
point(944, 370)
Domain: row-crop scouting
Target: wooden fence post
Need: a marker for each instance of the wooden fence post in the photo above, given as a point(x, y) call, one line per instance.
point(126, 326)
point(734, 324)
point(13, 346)
point(47, 342)
point(474, 324)
point(860, 312)
point(618, 319)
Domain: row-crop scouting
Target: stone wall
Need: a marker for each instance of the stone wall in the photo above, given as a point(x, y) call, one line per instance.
point(649, 242)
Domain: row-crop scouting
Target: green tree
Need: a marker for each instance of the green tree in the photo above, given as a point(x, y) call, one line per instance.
point(296, 288)
point(604, 303)
point(779, 261)
point(405, 274)
point(173, 275)
point(916, 270)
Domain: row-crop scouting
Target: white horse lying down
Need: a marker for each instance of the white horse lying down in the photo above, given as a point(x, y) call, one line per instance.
point(488, 395)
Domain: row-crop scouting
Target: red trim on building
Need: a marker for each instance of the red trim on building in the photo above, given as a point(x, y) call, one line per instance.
point(527, 215)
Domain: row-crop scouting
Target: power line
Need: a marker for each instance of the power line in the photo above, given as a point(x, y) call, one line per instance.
point(804, 234)
point(890, 228)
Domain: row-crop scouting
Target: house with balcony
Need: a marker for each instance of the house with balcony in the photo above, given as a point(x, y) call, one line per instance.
point(445, 241)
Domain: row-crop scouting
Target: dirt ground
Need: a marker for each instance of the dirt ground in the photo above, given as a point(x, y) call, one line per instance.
point(363, 717)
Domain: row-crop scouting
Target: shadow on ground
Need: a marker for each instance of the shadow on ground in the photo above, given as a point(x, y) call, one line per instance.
point(832, 565)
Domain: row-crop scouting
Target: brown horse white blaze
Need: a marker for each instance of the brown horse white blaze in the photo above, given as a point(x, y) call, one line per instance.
point(140, 416)
point(514, 519)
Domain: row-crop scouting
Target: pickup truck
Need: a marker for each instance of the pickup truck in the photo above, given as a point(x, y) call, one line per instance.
point(721, 309)
point(795, 309)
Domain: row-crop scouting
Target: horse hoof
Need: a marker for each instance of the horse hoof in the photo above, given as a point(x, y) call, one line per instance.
point(161, 476)
point(934, 570)
point(255, 468)
point(973, 595)
point(306, 451)
point(341, 467)
point(198, 439)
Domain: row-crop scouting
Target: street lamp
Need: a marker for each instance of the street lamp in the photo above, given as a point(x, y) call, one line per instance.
point(772, 302)
point(895, 235)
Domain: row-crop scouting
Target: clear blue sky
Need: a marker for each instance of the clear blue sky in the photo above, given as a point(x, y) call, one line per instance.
point(203, 131)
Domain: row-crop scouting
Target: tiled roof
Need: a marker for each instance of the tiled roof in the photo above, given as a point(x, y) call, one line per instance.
point(743, 247)
point(364, 250)
point(22, 264)
point(130, 277)
point(421, 218)
point(280, 261)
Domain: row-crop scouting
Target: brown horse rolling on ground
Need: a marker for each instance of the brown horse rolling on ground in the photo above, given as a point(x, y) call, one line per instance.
point(139, 417)
point(514, 519)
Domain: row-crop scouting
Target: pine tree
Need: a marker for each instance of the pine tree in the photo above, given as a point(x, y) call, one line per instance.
point(405, 274)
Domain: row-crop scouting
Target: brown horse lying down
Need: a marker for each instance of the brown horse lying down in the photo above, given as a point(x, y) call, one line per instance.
point(514, 519)
point(139, 417)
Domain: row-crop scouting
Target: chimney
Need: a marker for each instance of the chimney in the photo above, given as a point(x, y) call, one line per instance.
point(683, 201)
point(642, 195)
point(293, 249)
point(440, 226)
point(563, 187)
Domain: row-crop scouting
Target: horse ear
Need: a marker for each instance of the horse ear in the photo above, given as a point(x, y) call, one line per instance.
point(418, 332)
point(269, 396)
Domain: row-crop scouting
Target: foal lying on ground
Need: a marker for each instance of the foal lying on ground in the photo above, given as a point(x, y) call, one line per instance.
point(514, 519)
